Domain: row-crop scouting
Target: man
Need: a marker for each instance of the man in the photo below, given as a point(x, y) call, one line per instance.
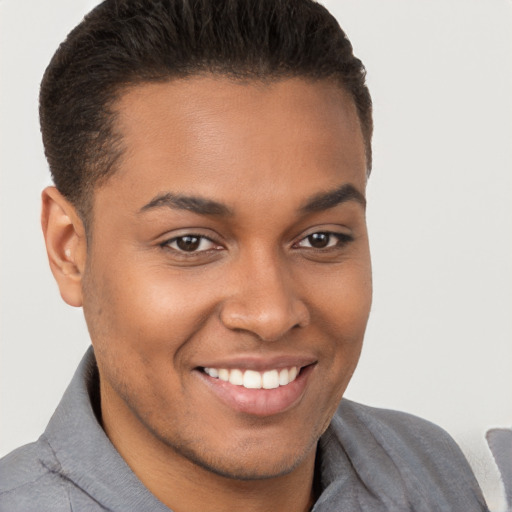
point(210, 162)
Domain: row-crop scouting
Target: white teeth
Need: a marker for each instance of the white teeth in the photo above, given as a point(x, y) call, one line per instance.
point(224, 374)
point(212, 372)
point(236, 377)
point(270, 380)
point(251, 379)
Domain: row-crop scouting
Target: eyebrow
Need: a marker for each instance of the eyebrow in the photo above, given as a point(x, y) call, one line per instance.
point(326, 200)
point(203, 206)
point(193, 204)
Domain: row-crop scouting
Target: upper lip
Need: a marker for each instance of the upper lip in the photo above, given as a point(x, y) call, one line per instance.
point(259, 363)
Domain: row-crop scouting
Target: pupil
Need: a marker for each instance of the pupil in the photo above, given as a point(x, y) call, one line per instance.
point(188, 243)
point(318, 240)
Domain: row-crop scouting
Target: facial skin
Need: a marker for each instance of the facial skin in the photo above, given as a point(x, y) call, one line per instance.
point(276, 163)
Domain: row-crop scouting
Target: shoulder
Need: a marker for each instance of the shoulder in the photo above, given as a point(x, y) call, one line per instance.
point(30, 481)
point(405, 423)
point(401, 455)
point(404, 431)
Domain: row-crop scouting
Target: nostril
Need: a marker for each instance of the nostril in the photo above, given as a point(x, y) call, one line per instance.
point(269, 316)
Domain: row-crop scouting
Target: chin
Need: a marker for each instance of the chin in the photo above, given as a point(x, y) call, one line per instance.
point(247, 464)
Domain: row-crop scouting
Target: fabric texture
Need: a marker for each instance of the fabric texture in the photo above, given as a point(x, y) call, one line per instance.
point(370, 460)
point(500, 443)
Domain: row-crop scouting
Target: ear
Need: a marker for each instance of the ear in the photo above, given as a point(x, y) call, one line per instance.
point(65, 239)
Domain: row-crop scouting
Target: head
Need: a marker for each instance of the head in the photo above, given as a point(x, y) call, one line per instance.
point(211, 159)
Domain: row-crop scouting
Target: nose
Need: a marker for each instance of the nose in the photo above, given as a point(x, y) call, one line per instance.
point(263, 300)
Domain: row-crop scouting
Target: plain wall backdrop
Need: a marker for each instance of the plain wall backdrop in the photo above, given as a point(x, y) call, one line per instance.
point(439, 341)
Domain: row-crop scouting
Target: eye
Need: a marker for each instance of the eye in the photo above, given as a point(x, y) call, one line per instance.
point(324, 240)
point(190, 244)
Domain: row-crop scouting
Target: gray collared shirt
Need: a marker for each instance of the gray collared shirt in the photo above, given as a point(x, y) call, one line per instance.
point(369, 460)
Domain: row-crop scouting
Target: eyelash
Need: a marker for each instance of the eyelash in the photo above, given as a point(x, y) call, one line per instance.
point(342, 240)
point(201, 238)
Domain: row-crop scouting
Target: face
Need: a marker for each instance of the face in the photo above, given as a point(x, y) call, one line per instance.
point(227, 282)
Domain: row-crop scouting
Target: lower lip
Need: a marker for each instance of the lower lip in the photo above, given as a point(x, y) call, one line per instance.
point(260, 402)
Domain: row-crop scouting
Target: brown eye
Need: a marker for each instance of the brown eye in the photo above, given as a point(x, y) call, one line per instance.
point(325, 240)
point(319, 240)
point(188, 243)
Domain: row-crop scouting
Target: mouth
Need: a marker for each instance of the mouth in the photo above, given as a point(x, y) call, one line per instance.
point(258, 393)
point(251, 379)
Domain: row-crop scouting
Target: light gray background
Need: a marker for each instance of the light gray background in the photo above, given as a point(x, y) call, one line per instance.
point(439, 339)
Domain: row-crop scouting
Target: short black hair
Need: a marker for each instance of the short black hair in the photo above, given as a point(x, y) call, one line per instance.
point(122, 43)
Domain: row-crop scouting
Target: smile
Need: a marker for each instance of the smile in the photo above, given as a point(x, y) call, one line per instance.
point(259, 392)
point(251, 379)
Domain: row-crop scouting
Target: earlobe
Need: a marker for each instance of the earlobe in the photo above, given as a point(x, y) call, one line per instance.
point(65, 240)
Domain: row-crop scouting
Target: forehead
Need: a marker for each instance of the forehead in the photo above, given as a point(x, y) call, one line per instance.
point(215, 136)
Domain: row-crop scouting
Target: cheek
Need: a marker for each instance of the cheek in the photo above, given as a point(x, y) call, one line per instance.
point(342, 299)
point(143, 309)
point(140, 321)
point(342, 308)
